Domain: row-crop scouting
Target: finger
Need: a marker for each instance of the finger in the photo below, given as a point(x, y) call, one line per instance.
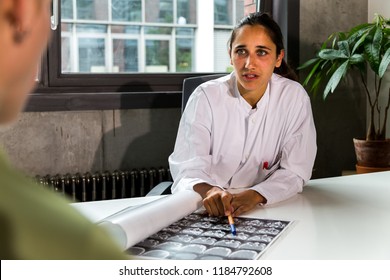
point(206, 205)
point(211, 205)
point(226, 199)
point(217, 206)
point(239, 210)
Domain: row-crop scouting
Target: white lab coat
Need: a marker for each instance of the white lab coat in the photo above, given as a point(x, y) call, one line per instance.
point(224, 142)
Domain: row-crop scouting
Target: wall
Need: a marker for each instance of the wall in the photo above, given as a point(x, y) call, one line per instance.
point(61, 142)
point(341, 117)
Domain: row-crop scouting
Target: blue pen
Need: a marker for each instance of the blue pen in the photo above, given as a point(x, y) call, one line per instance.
point(232, 226)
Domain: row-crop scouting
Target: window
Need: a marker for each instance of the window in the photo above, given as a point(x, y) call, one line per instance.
point(103, 49)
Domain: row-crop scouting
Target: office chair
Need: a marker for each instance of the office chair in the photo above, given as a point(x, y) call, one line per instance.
point(189, 85)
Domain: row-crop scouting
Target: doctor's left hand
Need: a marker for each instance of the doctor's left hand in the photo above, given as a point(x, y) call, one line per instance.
point(244, 201)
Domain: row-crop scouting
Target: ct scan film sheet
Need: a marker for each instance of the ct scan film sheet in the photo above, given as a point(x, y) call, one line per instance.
point(198, 236)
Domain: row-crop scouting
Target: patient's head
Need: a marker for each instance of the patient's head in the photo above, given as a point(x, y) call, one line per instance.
point(24, 33)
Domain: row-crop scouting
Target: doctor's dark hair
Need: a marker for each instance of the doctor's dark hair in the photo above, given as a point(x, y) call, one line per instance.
point(274, 32)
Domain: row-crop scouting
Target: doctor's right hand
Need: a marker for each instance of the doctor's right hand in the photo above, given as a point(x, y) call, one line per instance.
point(216, 201)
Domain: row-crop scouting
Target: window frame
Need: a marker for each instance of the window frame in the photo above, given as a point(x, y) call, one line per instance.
point(67, 92)
point(78, 91)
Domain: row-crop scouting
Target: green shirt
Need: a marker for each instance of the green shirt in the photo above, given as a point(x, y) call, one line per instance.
point(36, 223)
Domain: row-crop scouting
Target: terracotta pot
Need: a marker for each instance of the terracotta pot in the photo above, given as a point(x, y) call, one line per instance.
point(372, 153)
point(365, 169)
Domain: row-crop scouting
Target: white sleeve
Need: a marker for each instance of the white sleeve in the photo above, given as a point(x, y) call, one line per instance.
point(190, 162)
point(296, 161)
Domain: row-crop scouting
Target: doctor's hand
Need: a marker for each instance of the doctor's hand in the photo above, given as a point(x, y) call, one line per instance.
point(222, 203)
point(216, 201)
point(244, 201)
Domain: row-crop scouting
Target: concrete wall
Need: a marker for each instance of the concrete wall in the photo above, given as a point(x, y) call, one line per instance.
point(341, 117)
point(61, 142)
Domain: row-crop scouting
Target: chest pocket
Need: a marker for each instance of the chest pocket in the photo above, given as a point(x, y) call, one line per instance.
point(268, 170)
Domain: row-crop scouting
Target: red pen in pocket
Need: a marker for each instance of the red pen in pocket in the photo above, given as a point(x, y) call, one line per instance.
point(265, 165)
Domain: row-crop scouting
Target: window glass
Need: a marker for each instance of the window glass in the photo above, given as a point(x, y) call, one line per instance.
point(91, 55)
point(92, 9)
point(223, 12)
point(221, 57)
point(184, 49)
point(157, 56)
point(126, 10)
point(160, 11)
point(186, 12)
point(125, 55)
point(66, 55)
point(66, 9)
point(137, 36)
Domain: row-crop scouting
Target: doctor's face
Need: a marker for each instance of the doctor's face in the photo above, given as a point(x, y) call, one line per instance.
point(253, 56)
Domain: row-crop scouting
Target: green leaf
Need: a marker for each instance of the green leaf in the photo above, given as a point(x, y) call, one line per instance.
point(357, 32)
point(384, 63)
point(372, 49)
point(356, 59)
point(308, 63)
point(359, 42)
point(330, 54)
point(335, 79)
point(316, 83)
point(313, 70)
point(344, 47)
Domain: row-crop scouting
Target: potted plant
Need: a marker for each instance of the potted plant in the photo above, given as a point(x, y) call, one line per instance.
point(364, 48)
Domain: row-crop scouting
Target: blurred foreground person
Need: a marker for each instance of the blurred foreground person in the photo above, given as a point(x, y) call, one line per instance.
point(34, 222)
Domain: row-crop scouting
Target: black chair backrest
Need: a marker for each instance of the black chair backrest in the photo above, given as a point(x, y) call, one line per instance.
point(190, 84)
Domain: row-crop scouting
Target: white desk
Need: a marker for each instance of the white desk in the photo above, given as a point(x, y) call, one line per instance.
point(336, 218)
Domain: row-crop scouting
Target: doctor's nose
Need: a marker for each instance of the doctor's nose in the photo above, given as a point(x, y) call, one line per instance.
point(250, 62)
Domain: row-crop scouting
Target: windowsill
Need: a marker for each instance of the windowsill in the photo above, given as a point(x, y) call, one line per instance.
point(42, 102)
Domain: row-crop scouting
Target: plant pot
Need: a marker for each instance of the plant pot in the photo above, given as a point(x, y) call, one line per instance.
point(372, 154)
point(365, 169)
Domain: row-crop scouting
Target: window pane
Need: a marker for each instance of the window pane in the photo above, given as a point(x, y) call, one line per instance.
point(186, 12)
point(91, 55)
point(157, 56)
point(184, 50)
point(66, 9)
point(140, 27)
point(92, 9)
point(66, 55)
point(126, 10)
point(221, 57)
point(223, 12)
point(159, 11)
point(66, 48)
point(125, 56)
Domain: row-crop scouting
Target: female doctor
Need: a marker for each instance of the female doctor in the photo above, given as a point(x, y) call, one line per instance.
point(247, 138)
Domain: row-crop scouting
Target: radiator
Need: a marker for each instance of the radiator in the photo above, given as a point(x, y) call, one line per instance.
point(105, 185)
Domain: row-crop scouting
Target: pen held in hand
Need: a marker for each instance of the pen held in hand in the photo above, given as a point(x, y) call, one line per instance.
point(232, 226)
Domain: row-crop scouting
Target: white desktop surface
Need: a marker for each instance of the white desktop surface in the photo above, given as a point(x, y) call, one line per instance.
point(339, 218)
